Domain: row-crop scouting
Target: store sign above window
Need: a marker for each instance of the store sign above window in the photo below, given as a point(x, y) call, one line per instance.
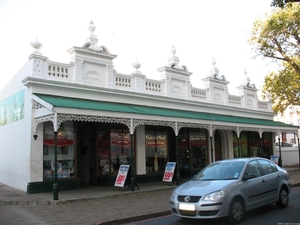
point(62, 141)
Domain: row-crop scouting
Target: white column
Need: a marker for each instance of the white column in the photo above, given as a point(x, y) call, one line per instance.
point(140, 151)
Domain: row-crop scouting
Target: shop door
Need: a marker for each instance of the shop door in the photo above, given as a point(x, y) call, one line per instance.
point(86, 161)
point(218, 148)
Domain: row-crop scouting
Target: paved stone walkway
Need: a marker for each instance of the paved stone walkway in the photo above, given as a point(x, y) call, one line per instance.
point(93, 205)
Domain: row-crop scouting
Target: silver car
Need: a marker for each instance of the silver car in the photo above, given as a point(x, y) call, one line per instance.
point(229, 188)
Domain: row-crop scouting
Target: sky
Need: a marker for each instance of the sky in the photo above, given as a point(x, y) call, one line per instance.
point(142, 30)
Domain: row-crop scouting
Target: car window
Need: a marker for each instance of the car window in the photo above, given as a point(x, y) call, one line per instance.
point(274, 168)
point(267, 166)
point(253, 168)
point(220, 171)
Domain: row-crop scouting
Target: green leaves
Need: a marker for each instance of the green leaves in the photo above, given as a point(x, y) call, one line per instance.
point(277, 37)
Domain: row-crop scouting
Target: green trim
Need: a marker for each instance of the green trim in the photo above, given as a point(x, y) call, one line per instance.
point(77, 103)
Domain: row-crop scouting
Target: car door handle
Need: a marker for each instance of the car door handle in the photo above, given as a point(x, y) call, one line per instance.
point(263, 181)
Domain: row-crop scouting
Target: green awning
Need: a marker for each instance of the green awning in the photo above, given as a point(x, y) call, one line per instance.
point(77, 103)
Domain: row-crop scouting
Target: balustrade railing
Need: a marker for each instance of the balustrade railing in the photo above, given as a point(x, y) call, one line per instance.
point(153, 86)
point(198, 93)
point(56, 70)
point(263, 105)
point(122, 81)
point(234, 99)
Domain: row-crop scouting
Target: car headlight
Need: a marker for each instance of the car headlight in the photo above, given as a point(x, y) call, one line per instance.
point(215, 196)
point(172, 198)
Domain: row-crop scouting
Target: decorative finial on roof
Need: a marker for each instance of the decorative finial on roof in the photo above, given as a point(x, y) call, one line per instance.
point(173, 61)
point(92, 27)
point(246, 80)
point(91, 42)
point(36, 44)
point(136, 65)
point(214, 71)
point(173, 50)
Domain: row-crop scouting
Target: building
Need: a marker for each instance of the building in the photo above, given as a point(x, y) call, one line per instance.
point(64, 125)
point(289, 142)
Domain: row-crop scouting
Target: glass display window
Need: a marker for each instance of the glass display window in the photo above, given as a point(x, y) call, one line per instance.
point(156, 148)
point(120, 148)
point(254, 142)
point(243, 151)
point(65, 150)
point(192, 146)
point(266, 145)
point(198, 147)
point(106, 167)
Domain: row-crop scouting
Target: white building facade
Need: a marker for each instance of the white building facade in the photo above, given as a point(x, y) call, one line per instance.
point(289, 142)
point(78, 122)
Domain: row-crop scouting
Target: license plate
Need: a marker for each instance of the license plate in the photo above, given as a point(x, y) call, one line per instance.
point(186, 206)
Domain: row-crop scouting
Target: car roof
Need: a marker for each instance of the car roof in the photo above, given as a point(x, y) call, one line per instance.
point(246, 159)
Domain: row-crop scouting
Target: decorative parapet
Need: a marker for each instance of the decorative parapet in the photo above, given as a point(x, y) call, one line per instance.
point(198, 93)
point(263, 105)
point(123, 81)
point(153, 86)
point(235, 99)
point(58, 70)
point(92, 65)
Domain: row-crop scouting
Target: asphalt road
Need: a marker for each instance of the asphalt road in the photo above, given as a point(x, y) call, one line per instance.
point(270, 215)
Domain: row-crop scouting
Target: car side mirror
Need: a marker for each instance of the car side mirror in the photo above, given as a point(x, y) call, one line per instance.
point(249, 176)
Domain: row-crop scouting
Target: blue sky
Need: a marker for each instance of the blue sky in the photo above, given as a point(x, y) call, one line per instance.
point(137, 29)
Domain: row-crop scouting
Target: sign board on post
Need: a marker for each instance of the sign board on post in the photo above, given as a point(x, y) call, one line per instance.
point(169, 171)
point(122, 174)
point(275, 159)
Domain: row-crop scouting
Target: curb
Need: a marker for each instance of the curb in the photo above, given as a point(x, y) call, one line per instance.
point(135, 218)
point(24, 202)
point(117, 195)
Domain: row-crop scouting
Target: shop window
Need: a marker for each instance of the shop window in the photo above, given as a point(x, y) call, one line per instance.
point(197, 146)
point(114, 148)
point(266, 145)
point(120, 146)
point(254, 142)
point(156, 149)
point(65, 150)
point(192, 146)
point(242, 149)
point(105, 164)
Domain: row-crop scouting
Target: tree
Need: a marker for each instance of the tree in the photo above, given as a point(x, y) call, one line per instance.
point(281, 3)
point(277, 37)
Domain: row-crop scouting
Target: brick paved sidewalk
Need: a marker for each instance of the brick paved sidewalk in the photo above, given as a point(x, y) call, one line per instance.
point(96, 207)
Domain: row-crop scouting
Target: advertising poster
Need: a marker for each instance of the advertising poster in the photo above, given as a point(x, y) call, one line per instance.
point(169, 171)
point(122, 174)
point(12, 108)
point(275, 159)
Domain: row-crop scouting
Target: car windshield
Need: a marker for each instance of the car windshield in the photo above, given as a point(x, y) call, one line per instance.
point(220, 171)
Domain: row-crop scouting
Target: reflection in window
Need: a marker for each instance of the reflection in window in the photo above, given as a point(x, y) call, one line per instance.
point(156, 149)
point(192, 148)
point(120, 146)
point(65, 150)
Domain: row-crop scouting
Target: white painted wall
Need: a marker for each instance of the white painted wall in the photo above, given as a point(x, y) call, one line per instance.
point(290, 156)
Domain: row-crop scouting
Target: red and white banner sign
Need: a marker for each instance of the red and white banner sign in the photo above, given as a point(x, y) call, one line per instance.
point(169, 171)
point(122, 174)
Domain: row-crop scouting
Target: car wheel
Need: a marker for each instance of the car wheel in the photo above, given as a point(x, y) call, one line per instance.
point(283, 198)
point(236, 211)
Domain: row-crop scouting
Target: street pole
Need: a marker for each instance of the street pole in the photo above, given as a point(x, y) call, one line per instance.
point(239, 148)
point(211, 150)
point(280, 160)
point(177, 162)
point(55, 184)
point(132, 163)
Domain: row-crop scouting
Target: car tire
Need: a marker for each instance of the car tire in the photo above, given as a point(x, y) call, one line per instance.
point(236, 211)
point(283, 198)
